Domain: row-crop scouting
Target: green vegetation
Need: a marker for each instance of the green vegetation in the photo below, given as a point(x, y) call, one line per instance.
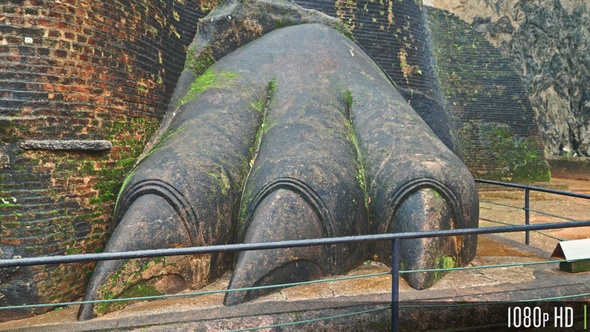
point(348, 98)
point(207, 80)
point(272, 85)
point(72, 251)
point(11, 225)
point(516, 159)
point(258, 106)
point(448, 262)
point(8, 202)
point(198, 64)
point(475, 79)
point(222, 180)
point(109, 177)
point(351, 136)
point(443, 261)
point(130, 281)
point(104, 172)
point(247, 166)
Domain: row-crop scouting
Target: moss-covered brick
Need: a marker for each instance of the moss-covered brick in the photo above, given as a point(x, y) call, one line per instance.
point(499, 137)
point(106, 73)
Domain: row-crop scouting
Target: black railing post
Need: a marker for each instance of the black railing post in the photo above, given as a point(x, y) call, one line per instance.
point(395, 256)
point(527, 221)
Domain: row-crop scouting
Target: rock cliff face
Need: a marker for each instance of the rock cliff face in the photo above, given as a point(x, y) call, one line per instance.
point(548, 44)
point(486, 97)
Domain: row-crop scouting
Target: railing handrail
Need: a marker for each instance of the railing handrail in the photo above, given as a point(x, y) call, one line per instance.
point(28, 261)
point(394, 237)
point(540, 189)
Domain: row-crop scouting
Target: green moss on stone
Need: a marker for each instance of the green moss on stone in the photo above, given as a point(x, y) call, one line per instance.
point(199, 63)
point(474, 79)
point(207, 80)
point(11, 225)
point(351, 136)
point(248, 162)
point(442, 261)
point(515, 159)
point(258, 106)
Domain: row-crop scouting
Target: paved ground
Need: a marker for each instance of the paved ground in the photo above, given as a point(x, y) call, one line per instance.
point(568, 207)
point(461, 289)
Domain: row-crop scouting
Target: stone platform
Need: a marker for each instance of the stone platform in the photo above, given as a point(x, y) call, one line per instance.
point(461, 301)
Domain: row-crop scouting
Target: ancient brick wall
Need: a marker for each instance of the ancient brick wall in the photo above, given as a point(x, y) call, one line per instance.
point(87, 70)
point(480, 89)
point(548, 43)
point(393, 33)
point(495, 120)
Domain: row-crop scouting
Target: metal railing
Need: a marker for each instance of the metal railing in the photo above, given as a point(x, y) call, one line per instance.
point(527, 198)
point(394, 238)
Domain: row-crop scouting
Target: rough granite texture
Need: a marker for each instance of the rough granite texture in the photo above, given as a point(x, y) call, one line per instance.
point(548, 42)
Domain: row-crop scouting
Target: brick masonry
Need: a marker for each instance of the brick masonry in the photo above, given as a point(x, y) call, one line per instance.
point(496, 125)
point(77, 70)
point(499, 136)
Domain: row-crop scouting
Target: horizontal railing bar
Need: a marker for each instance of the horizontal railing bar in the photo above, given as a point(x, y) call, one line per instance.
point(218, 291)
point(277, 245)
point(502, 205)
point(195, 294)
point(551, 215)
point(545, 190)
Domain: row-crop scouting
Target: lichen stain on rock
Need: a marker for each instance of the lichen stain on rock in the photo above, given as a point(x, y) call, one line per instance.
point(153, 276)
point(198, 63)
point(253, 27)
point(207, 5)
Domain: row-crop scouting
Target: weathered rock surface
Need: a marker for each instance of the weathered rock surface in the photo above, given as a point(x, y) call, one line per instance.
point(499, 137)
point(395, 35)
point(67, 145)
point(337, 144)
point(548, 43)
